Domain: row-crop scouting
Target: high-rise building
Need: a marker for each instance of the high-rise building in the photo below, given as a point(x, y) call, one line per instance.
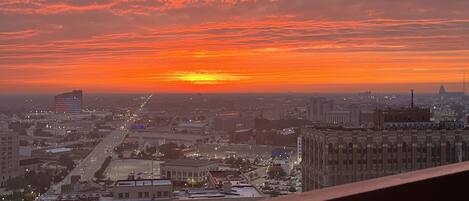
point(332, 157)
point(318, 109)
point(69, 103)
point(9, 156)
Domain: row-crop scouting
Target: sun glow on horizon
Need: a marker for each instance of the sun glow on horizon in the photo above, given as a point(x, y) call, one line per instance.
point(203, 77)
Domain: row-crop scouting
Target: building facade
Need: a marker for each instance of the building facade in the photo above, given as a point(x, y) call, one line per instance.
point(149, 189)
point(9, 156)
point(69, 103)
point(318, 109)
point(333, 157)
point(187, 170)
point(339, 117)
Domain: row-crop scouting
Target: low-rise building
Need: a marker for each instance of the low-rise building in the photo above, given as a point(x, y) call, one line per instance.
point(229, 192)
point(191, 128)
point(148, 189)
point(149, 139)
point(187, 170)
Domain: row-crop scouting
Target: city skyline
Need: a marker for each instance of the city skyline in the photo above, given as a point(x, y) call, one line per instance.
point(232, 46)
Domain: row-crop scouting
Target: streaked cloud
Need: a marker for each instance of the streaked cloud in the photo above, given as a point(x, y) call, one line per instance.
point(263, 42)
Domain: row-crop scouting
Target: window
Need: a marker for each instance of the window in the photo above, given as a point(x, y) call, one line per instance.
point(121, 195)
point(127, 195)
point(147, 194)
point(166, 193)
point(158, 194)
point(140, 194)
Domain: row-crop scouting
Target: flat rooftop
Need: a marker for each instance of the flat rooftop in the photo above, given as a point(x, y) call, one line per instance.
point(143, 182)
point(237, 192)
point(188, 163)
point(168, 136)
point(192, 125)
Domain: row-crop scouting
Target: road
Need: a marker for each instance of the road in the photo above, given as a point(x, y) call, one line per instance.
point(89, 165)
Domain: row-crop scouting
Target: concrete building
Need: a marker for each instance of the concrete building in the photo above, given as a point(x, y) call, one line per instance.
point(150, 189)
point(191, 128)
point(339, 117)
point(149, 139)
point(299, 148)
point(229, 122)
point(406, 118)
point(187, 170)
point(9, 156)
point(69, 103)
point(229, 192)
point(318, 109)
point(333, 157)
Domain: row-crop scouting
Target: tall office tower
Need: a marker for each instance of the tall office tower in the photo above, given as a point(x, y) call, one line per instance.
point(9, 156)
point(355, 112)
point(318, 109)
point(69, 103)
point(332, 157)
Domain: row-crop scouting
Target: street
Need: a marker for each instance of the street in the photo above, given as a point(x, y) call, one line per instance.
point(89, 165)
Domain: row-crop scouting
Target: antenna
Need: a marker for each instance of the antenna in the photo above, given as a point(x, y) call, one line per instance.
point(411, 98)
point(464, 83)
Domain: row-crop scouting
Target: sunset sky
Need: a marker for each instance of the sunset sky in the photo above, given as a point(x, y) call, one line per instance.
point(232, 45)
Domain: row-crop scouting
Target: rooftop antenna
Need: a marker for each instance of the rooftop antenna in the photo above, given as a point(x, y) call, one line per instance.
point(464, 83)
point(411, 98)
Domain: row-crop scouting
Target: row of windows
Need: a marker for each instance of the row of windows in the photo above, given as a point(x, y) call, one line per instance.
point(158, 194)
point(5, 148)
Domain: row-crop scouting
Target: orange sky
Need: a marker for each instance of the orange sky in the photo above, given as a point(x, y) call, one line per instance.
point(232, 46)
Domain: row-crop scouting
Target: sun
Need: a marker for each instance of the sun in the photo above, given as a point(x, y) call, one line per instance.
point(204, 77)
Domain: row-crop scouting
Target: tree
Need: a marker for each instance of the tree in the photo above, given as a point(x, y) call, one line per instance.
point(150, 150)
point(170, 151)
point(16, 183)
point(32, 181)
point(276, 172)
point(66, 161)
point(257, 161)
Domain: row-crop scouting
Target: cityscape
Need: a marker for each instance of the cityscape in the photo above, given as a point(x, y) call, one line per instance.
point(243, 100)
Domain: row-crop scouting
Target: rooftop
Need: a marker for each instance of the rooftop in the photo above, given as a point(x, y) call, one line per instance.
point(143, 182)
point(188, 162)
point(193, 125)
point(58, 150)
point(237, 192)
point(170, 136)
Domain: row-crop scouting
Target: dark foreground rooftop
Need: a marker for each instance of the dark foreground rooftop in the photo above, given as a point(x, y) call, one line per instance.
point(449, 182)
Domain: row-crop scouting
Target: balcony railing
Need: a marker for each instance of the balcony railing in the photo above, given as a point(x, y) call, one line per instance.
point(449, 182)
